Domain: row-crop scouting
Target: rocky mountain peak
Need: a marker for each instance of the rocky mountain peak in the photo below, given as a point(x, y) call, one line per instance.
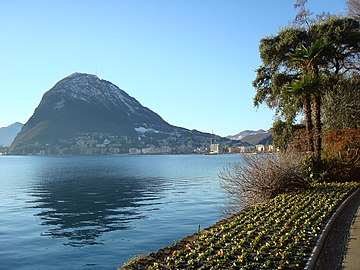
point(90, 89)
point(81, 112)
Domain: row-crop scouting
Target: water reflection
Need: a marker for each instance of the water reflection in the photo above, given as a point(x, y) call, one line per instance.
point(84, 207)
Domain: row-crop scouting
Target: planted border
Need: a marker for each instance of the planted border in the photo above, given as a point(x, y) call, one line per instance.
point(277, 235)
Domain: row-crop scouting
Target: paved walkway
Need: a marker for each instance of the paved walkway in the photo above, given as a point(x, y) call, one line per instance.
point(331, 256)
point(352, 254)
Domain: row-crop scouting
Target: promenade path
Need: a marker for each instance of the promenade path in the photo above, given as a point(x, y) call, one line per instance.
point(352, 254)
point(341, 250)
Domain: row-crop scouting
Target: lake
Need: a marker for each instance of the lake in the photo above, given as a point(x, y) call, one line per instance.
point(95, 212)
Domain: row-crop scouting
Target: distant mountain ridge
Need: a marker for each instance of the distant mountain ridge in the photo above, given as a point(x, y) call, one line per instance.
point(83, 114)
point(8, 134)
point(246, 133)
point(253, 137)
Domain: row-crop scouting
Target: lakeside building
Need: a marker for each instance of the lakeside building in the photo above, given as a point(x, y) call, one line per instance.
point(157, 151)
point(234, 149)
point(270, 148)
point(215, 148)
point(267, 148)
point(134, 151)
point(201, 150)
point(247, 149)
point(260, 148)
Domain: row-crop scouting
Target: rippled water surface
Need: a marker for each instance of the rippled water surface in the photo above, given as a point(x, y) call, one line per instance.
point(97, 212)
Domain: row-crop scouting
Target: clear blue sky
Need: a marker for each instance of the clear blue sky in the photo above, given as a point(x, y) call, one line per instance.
point(190, 61)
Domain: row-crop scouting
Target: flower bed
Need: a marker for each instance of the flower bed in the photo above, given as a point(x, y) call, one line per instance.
point(277, 235)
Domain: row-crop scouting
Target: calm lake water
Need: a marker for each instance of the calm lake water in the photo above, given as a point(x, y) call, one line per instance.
point(97, 212)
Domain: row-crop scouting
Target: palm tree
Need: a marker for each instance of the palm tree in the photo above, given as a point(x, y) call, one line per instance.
point(308, 59)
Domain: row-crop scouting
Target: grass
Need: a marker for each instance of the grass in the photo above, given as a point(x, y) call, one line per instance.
point(279, 234)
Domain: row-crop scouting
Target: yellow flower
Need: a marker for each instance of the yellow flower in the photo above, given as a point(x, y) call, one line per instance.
point(188, 245)
point(220, 252)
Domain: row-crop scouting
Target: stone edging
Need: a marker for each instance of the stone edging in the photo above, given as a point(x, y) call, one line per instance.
point(310, 265)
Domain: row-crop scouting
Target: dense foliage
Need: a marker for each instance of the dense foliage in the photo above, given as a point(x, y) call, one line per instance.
point(288, 136)
point(298, 64)
point(340, 161)
point(341, 103)
point(277, 235)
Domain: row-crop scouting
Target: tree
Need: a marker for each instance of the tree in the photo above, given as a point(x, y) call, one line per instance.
point(341, 103)
point(354, 8)
point(297, 63)
point(308, 60)
point(285, 136)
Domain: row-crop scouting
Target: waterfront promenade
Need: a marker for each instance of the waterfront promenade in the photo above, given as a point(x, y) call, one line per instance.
point(341, 247)
point(352, 253)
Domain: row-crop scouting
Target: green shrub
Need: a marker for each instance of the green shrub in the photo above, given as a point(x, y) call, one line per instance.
point(312, 168)
point(329, 170)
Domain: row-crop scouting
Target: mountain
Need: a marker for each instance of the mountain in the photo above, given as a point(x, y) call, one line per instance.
point(83, 114)
point(261, 138)
point(246, 133)
point(253, 137)
point(8, 134)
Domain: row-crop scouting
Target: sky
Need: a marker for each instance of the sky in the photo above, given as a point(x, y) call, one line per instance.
point(190, 61)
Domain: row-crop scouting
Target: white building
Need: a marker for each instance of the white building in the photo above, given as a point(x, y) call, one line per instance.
point(260, 148)
point(215, 148)
point(134, 151)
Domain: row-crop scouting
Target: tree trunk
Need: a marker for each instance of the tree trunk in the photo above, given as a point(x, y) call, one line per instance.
point(317, 125)
point(308, 122)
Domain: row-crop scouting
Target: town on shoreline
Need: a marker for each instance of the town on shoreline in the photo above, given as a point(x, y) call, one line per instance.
point(106, 148)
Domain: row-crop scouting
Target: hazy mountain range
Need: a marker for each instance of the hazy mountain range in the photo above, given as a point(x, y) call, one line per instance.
point(246, 133)
point(8, 134)
point(253, 137)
